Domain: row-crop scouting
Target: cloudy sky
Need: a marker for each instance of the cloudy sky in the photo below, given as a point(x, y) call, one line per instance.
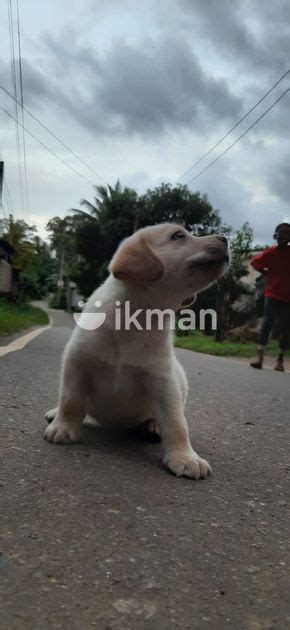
point(141, 90)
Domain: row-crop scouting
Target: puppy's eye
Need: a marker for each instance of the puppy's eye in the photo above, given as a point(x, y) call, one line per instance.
point(177, 235)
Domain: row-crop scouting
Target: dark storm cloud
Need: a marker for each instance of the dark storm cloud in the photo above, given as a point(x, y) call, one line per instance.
point(228, 191)
point(36, 85)
point(223, 26)
point(279, 180)
point(252, 34)
point(206, 64)
point(143, 88)
point(153, 86)
point(65, 53)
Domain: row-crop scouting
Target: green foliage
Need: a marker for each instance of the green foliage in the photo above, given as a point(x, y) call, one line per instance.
point(241, 243)
point(32, 258)
point(58, 300)
point(85, 242)
point(198, 342)
point(15, 317)
point(179, 205)
point(60, 231)
point(241, 247)
point(116, 213)
point(34, 279)
point(20, 235)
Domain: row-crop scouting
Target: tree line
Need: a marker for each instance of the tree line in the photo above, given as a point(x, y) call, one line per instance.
point(82, 242)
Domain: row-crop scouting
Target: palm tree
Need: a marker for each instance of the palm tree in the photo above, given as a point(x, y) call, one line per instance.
point(107, 202)
point(104, 195)
point(19, 234)
point(16, 231)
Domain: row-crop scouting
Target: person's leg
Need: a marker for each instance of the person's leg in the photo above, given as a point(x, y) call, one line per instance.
point(267, 323)
point(284, 331)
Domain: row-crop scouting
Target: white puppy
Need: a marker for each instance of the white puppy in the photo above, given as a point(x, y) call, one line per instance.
point(127, 377)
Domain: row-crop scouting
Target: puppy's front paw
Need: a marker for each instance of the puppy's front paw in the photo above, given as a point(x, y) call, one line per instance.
point(187, 464)
point(50, 415)
point(62, 433)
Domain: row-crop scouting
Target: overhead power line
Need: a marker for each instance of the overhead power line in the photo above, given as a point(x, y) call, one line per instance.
point(235, 125)
point(22, 104)
point(240, 137)
point(3, 208)
point(8, 197)
point(48, 149)
point(5, 182)
point(14, 84)
point(51, 133)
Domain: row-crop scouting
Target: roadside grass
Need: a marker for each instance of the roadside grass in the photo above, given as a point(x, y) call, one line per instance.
point(198, 342)
point(14, 318)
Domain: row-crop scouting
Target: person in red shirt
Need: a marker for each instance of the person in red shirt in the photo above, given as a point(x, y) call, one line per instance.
point(274, 263)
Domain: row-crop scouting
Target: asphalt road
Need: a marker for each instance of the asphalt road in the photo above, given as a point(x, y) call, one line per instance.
point(98, 535)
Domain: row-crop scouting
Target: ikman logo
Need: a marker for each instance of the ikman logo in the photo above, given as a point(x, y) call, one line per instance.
point(154, 318)
point(90, 321)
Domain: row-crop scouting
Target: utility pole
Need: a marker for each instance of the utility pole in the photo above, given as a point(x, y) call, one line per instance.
point(222, 301)
point(1, 181)
point(1, 192)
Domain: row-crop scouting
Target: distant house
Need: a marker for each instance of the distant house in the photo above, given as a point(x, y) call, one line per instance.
point(251, 275)
point(253, 282)
point(8, 276)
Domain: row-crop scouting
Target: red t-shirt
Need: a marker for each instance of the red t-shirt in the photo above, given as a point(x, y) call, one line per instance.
point(276, 263)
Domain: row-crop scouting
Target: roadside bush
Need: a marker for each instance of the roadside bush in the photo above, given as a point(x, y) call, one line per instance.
point(58, 300)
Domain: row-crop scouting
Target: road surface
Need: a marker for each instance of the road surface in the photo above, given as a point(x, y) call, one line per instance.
point(98, 535)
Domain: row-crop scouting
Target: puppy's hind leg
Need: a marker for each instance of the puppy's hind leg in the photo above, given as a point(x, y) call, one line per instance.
point(149, 430)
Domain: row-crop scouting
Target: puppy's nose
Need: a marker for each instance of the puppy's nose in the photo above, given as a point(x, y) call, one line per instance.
point(223, 240)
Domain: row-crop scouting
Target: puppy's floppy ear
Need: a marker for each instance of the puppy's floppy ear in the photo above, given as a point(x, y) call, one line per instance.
point(136, 261)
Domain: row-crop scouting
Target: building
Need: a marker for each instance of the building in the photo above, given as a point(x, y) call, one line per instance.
point(254, 283)
point(251, 275)
point(8, 276)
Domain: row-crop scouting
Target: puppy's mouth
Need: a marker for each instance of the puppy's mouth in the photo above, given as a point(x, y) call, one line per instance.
point(209, 261)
